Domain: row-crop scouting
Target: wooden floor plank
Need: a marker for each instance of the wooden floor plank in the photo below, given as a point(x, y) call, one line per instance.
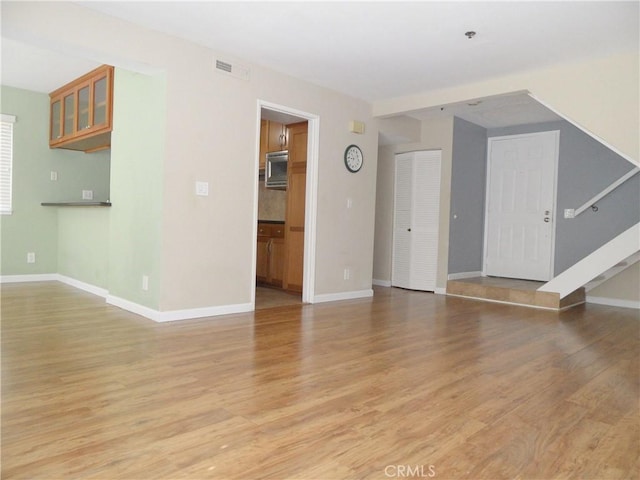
point(402, 383)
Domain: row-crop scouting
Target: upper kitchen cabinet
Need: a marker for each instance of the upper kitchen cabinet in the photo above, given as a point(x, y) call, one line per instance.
point(277, 138)
point(274, 137)
point(81, 112)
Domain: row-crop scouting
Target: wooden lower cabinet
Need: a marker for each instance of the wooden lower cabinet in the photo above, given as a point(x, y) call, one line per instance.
point(276, 262)
point(262, 262)
point(270, 254)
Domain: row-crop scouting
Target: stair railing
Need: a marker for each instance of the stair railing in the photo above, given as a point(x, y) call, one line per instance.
point(592, 201)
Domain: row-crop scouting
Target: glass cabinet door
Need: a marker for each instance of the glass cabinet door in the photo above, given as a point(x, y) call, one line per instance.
point(100, 101)
point(56, 111)
point(83, 108)
point(69, 113)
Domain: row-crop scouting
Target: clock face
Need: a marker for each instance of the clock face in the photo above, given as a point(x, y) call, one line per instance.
point(353, 158)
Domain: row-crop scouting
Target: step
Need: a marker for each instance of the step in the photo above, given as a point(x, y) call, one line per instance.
point(513, 291)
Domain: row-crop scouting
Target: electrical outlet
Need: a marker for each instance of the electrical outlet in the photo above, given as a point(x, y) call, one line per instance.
point(87, 194)
point(31, 257)
point(54, 176)
point(347, 273)
point(145, 283)
point(569, 213)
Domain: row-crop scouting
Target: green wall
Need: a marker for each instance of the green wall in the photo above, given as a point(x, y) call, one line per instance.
point(110, 248)
point(83, 244)
point(137, 158)
point(32, 227)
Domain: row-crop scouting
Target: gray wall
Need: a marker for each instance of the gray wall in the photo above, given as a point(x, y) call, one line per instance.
point(468, 182)
point(585, 168)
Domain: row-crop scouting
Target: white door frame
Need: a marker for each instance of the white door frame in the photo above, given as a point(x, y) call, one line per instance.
point(490, 140)
point(311, 198)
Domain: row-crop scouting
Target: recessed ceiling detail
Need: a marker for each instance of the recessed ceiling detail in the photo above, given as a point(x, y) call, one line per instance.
point(493, 112)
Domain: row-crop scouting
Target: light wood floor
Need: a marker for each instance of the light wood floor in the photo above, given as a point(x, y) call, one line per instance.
point(403, 383)
point(273, 297)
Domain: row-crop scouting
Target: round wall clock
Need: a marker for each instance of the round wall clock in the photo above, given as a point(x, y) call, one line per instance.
point(353, 158)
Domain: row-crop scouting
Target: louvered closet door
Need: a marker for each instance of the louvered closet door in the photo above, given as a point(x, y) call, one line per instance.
point(416, 217)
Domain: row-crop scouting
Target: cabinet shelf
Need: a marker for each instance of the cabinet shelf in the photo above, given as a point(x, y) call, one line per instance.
point(76, 204)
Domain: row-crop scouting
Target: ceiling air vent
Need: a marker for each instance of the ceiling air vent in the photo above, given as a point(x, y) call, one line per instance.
point(233, 69)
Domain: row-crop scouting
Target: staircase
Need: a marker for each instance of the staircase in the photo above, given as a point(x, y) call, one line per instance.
point(513, 291)
point(612, 272)
point(616, 254)
point(565, 290)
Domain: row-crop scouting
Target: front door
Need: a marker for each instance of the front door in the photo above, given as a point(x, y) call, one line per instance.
point(519, 218)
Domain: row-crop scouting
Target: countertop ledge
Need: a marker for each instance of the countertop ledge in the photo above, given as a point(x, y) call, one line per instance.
point(276, 222)
point(76, 204)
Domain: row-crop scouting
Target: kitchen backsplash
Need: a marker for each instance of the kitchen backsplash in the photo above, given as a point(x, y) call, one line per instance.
point(272, 203)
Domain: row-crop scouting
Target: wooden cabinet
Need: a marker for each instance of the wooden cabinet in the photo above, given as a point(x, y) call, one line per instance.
point(274, 137)
point(81, 112)
point(264, 143)
point(295, 213)
point(278, 137)
point(270, 254)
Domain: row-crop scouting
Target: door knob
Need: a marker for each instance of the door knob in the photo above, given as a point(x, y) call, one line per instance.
point(408, 229)
point(546, 219)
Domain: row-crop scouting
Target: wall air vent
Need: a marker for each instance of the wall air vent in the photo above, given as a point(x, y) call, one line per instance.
point(233, 69)
point(227, 67)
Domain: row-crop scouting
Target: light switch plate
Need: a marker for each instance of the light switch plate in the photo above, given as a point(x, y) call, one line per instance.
point(87, 194)
point(202, 189)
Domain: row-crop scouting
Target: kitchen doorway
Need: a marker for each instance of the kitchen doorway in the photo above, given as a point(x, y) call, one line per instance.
point(285, 215)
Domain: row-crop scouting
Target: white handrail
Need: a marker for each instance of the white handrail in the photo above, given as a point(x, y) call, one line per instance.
point(589, 203)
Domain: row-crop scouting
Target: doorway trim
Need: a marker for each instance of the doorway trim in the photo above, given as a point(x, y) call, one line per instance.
point(554, 212)
point(311, 197)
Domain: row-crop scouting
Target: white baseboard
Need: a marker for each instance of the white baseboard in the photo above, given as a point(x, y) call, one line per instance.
point(381, 283)
point(440, 291)
point(101, 292)
point(55, 277)
point(458, 276)
point(37, 277)
point(155, 315)
point(613, 302)
point(332, 297)
point(174, 315)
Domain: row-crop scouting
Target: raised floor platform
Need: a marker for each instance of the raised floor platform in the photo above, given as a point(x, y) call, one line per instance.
point(513, 291)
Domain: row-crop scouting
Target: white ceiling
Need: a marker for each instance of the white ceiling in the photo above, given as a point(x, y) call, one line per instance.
point(370, 50)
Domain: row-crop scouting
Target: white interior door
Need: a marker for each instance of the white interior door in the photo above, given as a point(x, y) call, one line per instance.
point(519, 219)
point(416, 218)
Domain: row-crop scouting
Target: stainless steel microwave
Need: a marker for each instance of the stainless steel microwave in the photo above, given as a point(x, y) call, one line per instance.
point(275, 175)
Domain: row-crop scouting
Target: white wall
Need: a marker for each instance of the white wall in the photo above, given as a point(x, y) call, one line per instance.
point(623, 286)
point(212, 132)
